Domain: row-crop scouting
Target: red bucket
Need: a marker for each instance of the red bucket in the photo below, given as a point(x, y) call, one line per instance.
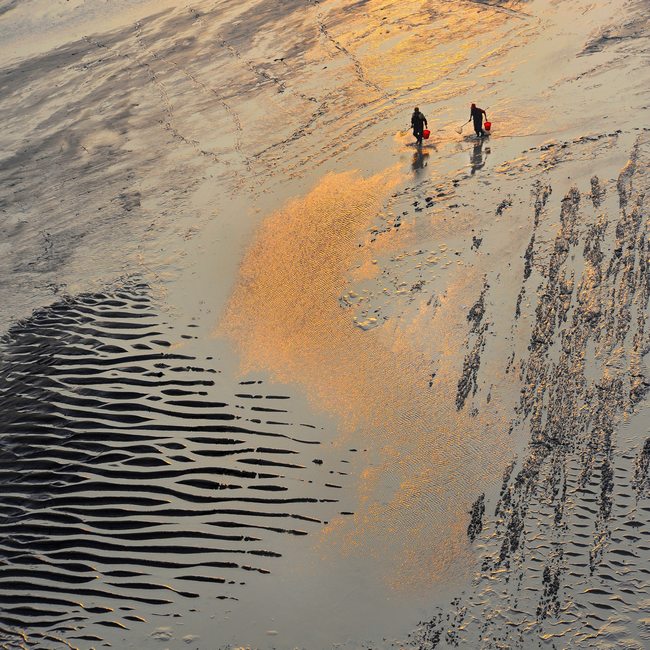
point(487, 125)
point(426, 133)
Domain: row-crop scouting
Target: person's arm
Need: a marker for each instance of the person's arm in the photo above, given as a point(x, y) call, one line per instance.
point(484, 113)
point(425, 122)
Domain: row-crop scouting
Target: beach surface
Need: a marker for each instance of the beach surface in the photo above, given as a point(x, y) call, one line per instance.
point(271, 376)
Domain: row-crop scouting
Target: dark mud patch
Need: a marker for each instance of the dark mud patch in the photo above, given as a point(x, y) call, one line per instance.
point(130, 481)
point(7, 6)
point(641, 481)
point(476, 518)
point(468, 382)
point(504, 205)
point(634, 28)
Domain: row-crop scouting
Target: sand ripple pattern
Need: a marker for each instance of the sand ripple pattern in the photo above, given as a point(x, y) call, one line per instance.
point(127, 485)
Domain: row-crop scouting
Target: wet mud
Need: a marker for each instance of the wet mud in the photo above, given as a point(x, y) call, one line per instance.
point(565, 547)
point(357, 384)
point(128, 485)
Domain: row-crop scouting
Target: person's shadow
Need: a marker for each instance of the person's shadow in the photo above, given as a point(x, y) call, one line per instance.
point(476, 158)
point(419, 159)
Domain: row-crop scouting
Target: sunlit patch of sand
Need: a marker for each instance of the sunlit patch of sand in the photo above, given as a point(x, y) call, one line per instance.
point(367, 270)
point(388, 38)
point(284, 313)
point(285, 317)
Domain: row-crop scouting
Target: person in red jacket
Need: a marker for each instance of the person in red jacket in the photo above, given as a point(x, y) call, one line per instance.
point(476, 114)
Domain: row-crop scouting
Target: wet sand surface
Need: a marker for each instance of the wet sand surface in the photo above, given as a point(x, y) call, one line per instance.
point(272, 377)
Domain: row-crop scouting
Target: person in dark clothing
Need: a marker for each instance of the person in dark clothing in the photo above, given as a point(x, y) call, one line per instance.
point(476, 114)
point(418, 122)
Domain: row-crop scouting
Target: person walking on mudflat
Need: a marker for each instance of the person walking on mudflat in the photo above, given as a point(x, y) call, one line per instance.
point(476, 114)
point(418, 122)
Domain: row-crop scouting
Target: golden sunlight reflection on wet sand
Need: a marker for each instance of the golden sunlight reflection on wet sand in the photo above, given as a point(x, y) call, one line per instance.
point(285, 318)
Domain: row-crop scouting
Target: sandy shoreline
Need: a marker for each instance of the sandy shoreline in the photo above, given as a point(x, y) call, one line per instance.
point(272, 377)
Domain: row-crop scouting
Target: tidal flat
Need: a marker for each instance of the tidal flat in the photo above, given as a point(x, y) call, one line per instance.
point(273, 377)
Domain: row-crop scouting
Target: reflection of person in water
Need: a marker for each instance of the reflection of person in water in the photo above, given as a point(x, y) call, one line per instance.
point(476, 159)
point(419, 160)
point(476, 114)
point(418, 122)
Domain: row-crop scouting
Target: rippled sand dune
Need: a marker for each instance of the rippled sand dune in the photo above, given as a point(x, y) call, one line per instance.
point(272, 377)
